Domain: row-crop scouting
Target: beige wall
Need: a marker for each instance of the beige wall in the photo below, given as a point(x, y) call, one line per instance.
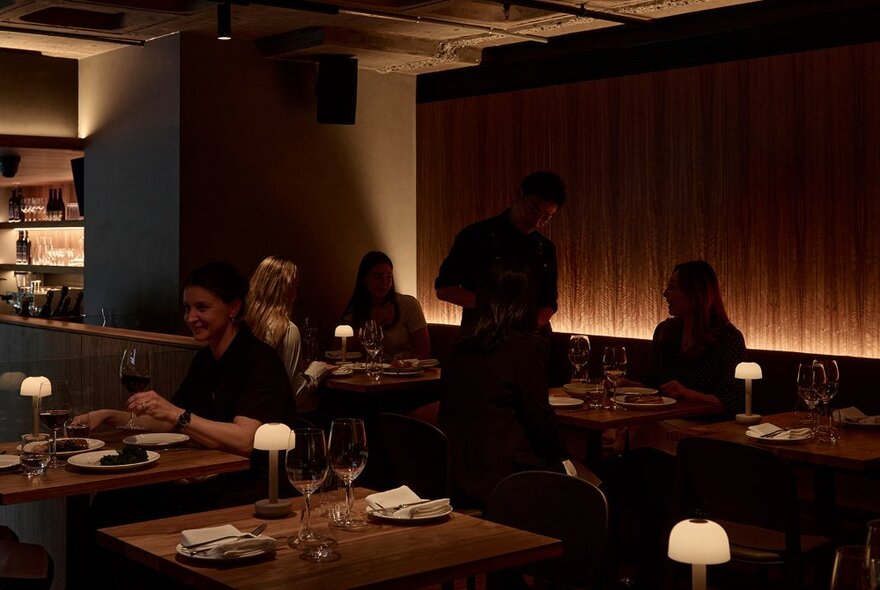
point(38, 95)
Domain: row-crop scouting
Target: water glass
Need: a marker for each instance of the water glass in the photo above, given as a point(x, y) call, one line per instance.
point(374, 368)
point(852, 570)
point(35, 453)
point(594, 395)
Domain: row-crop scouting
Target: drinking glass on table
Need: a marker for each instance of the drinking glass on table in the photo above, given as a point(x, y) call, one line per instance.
point(614, 366)
point(55, 411)
point(307, 466)
point(135, 374)
point(827, 389)
point(348, 457)
point(35, 453)
point(372, 338)
point(852, 569)
point(807, 393)
point(579, 356)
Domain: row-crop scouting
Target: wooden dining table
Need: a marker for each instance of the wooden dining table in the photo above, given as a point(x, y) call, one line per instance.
point(75, 484)
point(359, 382)
point(857, 451)
point(385, 555)
point(591, 423)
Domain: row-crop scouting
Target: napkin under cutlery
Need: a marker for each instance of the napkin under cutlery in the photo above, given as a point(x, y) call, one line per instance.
point(228, 544)
point(406, 504)
point(766, 428)
point(854, 415)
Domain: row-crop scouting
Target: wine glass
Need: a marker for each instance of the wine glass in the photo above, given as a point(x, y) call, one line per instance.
point(372, 338)
point(135, 374)
point(55, 410)
point(614, 366)
point(579, 355)
point(806, 388)
point(348, 457)
point(306, 465)
point(830, 383)
point(852, 569)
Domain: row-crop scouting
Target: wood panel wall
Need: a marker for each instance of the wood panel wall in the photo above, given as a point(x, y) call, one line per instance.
point(768, 168)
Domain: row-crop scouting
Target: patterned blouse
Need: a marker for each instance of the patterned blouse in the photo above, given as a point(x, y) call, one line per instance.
point(710, 373)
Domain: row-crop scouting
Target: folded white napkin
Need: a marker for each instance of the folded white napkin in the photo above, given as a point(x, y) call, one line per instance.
point(855, 415)
point(208, 534)
point(767, 428)
point(404, 495)
point(237, 548)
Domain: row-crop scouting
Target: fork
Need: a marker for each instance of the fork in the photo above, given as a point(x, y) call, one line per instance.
point(393, 509)
point(774, 433)
point(194, 548)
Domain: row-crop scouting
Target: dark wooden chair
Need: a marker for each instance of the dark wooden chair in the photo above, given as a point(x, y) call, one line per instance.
point(563, 507)
point(23, 566)
point(414, 453)
point(752, 493)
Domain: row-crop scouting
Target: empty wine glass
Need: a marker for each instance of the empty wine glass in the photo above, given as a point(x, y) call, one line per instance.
point(827, 389)
point(852, 569)
point(614, 366)
point(55, 411)
point(307, 466)
point(807, 393)
point(372, 339)
point(579, 355)
point(348, 457)
point(135, 374)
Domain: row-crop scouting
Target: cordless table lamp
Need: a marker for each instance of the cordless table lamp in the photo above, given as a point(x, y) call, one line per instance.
point(35, 388)
point(748, 371)
point(699, 542)
point(344, 331)
point(273, 437)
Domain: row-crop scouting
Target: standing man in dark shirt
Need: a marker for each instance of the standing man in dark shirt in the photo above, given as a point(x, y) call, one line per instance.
point(513, 234)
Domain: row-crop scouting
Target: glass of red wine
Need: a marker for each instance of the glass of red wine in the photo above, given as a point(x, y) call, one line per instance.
point(134, 372)
point(54, 413)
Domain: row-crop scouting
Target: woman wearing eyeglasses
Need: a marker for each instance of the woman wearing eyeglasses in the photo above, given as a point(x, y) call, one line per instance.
point(401, 317)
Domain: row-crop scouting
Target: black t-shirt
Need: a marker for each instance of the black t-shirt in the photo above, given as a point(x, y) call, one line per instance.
point(479, 244)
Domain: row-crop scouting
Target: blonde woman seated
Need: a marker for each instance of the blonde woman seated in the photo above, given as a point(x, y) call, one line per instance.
point(273, 290)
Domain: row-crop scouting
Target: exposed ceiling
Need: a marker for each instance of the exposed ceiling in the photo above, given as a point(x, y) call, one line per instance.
point(410, 36)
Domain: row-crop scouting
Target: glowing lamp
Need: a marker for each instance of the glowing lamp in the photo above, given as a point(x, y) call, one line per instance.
point(698, 542)
point(35, 388)
point(344, 331)
point(273, 437)
point(748, 371)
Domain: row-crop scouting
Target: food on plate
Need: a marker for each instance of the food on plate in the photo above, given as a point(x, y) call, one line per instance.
point(125, 456)
point(65, 445)
point(405, 364)
point(642, 399)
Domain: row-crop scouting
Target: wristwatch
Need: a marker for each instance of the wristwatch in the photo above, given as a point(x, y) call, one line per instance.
point(183, 421)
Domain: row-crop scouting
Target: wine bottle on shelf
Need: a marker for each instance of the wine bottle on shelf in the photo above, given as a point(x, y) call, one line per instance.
point(63, 308)
point(46, 310)
point(63, 296)
point(27, 249)
point(19, 247)
point(12, 205)
point(61, 206)
point(50, 205)
point(76, 310)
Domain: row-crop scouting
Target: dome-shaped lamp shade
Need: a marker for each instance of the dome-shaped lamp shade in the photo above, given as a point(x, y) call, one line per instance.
point(272, 437)
point(699, 542)
point(748, 371)
point(344, 331)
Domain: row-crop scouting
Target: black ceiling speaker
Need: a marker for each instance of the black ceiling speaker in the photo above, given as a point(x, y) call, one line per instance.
point(9, 165)
point(336, 89)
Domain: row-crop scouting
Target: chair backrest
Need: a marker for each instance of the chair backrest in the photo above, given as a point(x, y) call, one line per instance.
point(739, 483)
point(414, 453)
point(559, 506)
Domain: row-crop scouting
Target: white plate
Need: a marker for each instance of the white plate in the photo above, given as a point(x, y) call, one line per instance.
point(156, 439)
point(634, 391)
point(561, 401)
point(667, 401)
point(208, 557)
point(429, 363)
point(402, 519)
point(337, 354)
point(91, 461)
point(9, 462)
point(93, 445)
point(849, 423)
point(790, 439)
point(408, 372)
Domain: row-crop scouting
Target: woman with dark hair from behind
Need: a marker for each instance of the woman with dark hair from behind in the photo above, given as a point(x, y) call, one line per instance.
point(273, 290)
point(495, 405)
point(375, 298)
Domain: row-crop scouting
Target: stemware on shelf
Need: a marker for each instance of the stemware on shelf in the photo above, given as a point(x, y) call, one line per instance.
point(135, 373)
point(372, 339)
point(307, 466)
point(579, 356)
point(348, 457)
point(830, 382)
point(55, 411)
point(614, 366)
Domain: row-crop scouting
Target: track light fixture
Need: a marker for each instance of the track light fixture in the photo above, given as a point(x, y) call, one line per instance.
point(224, 21)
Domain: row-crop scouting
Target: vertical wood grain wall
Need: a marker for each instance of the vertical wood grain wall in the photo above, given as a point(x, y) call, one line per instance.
point(768, 168)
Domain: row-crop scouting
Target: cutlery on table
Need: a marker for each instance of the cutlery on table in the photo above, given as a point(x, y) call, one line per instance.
point(194, 548)
point(393, 509)
point(774, 433)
